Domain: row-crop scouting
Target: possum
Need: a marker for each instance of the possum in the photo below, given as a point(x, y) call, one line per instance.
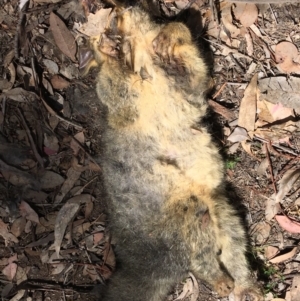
point(167, 206)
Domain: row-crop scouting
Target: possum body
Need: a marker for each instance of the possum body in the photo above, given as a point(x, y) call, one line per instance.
point(168, 211)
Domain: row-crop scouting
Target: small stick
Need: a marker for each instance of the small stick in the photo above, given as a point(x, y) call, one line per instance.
point(270, 166)
point(219, 91)
point(36, 154)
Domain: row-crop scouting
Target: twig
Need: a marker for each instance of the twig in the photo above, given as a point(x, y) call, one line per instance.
point(270, 166)
point(273, 14)
point(3, 112)
point(32, 144)
point(219, 91)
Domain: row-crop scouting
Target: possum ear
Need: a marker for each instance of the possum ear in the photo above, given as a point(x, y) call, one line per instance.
point(86, 60)
point(205, 220)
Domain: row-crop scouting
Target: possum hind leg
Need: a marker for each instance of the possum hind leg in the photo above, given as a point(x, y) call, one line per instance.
point(233, 242)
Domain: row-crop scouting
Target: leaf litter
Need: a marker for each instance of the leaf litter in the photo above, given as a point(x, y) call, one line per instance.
point(48, 175)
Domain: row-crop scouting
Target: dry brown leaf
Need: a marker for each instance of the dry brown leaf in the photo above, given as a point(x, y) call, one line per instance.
point(246, 13)
point(280, 133)
point(96, 23)
point(271, 112)
point(72, 176)
point(62, 36)
point(261, 169)
point(278, 299)
point(11, 269)
point(51, 179)
point(228, 21)
point(57, 265)
point(18, 226)
point(98, 237)
point(286, 53)
point(65, 215)
point(190, 289)
point(271, 252)
point(91, 272)
point(286, 183)
point(285, 256)
point(248, 106)
point(51, 66)
point(295, 288)
point(20, 95)
point(58, 82)
point(18, 177)
point(27, 212)
point(281, 89)
point(247, 148)
point(239, 134)
point(226, 113)
point(8, 237)
point(109, 261)
point(287, 224)
point(79, 137)
point(272, 208)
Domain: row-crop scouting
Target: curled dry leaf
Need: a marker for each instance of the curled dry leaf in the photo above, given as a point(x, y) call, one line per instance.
point(76, 141)
point(248, 106)
point(281, 89)
point(271, 112)
point(286, 183)
point(51, 66)
point(246, 13)
point(109, 261)
point(11, 269)
point(96, 23)
point(57, 265)
point(62, 36)
point(8, 237)
point(287, 224)
point(65, 215)
point(190, 288)
point(91, 272)
point(227, 21)
point(239, 134)
point(285, 256)
point(20, 95)
point(72, 176)
point(27, 212)
point(271, 252)
point(285, 54)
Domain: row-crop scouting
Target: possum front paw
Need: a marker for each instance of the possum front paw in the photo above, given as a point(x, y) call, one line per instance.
point(169, 39)
point(248, 294)
point(109, 44)
point(224, 286)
